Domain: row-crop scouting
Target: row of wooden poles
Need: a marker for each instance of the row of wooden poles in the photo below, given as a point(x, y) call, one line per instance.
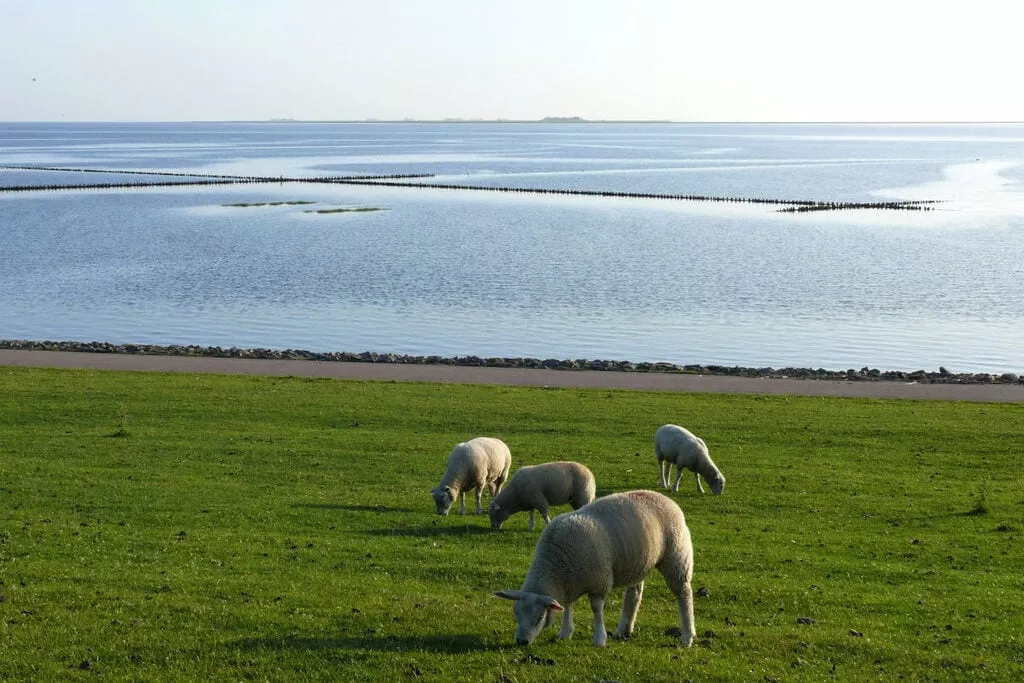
point(200, 179)
point(404, 180)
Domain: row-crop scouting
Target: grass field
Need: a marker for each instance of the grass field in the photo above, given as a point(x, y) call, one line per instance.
point(180, 527)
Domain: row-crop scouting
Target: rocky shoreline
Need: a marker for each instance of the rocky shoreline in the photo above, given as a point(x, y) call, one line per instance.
point(865, 374)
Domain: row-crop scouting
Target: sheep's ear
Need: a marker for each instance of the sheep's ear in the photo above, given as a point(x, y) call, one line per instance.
point(554, 606)
point(510, 595)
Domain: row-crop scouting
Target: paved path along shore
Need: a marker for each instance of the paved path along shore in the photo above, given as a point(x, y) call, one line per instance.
point(1002, 393)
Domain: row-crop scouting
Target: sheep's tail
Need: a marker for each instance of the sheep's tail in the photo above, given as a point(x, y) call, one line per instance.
point(585, 490)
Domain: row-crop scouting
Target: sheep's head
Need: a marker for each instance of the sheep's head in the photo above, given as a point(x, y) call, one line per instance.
point(717, 484)
point(498, 515)
point(533, 612)
point(444, 496)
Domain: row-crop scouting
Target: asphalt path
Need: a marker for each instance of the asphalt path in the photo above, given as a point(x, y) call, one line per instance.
point(528, 377)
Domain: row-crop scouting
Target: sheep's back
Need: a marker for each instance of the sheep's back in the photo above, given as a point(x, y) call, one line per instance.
point(623, 535)
point(559, 482)
point(679, 445)
point(483, 457)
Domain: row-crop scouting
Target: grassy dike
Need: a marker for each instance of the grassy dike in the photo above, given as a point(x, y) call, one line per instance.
point(181, 527)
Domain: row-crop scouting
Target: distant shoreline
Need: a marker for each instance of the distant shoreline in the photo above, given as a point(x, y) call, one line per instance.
point(552, 120)
point(558, 120)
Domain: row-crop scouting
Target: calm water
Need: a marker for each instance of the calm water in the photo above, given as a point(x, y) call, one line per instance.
point(490, 274)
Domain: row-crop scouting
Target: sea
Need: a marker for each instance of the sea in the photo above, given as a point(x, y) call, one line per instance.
point(595, 272)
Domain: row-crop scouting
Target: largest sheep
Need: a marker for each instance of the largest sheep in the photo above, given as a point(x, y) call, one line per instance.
point(538, 487)
point(674, 445)
point(479, 463)
point(614, 541)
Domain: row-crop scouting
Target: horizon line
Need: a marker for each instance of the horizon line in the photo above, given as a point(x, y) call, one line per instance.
point(554, 120)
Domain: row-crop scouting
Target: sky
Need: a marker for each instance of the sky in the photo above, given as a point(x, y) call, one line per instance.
point(680, 60)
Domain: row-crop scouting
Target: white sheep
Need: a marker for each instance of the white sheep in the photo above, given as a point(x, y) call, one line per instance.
point(614, 541)
point(538, 487)
point(677, 446)
point(474, 464)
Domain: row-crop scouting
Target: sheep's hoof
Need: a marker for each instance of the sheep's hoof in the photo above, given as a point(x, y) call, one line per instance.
point(684, 640)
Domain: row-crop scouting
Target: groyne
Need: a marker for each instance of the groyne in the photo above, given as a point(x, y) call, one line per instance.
point(415, 181)
point(188, 179)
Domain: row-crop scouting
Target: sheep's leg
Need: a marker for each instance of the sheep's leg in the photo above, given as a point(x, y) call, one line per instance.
point(567, 625)
point(531, 520)
point(543, 509)
point(462, 502)
point(630, 607)
point(600, 635)
point(697, 477)
point(677, 570)
point(686, 616)
point(479, 498)
point(679, 475)
point(664, 468)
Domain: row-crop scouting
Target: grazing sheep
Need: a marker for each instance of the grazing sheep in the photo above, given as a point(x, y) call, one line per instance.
point(541, 486)
point(474, 464)
point(676, 446)
point(614, 541)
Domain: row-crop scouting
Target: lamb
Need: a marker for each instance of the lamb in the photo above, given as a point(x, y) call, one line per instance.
point(614, 541)
point(541, 486)
point(677, 446)
point(474, 464)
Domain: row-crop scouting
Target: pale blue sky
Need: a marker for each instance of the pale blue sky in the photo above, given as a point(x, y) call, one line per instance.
point(713, 60)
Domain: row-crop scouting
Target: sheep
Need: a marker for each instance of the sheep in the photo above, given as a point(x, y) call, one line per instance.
point(674, 445)
point(474, 464)
point(541, 486)
point(614, 541)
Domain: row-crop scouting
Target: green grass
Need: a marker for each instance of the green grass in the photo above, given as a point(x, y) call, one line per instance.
point(182, 527)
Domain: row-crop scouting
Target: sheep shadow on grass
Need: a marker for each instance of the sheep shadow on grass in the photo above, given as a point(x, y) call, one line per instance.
point(456, 643)
point(352, 508)
point(432, 530)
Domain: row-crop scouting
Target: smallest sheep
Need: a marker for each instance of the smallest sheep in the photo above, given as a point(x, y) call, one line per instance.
point(677, 446)
point(479, 463)
point(541, 486)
